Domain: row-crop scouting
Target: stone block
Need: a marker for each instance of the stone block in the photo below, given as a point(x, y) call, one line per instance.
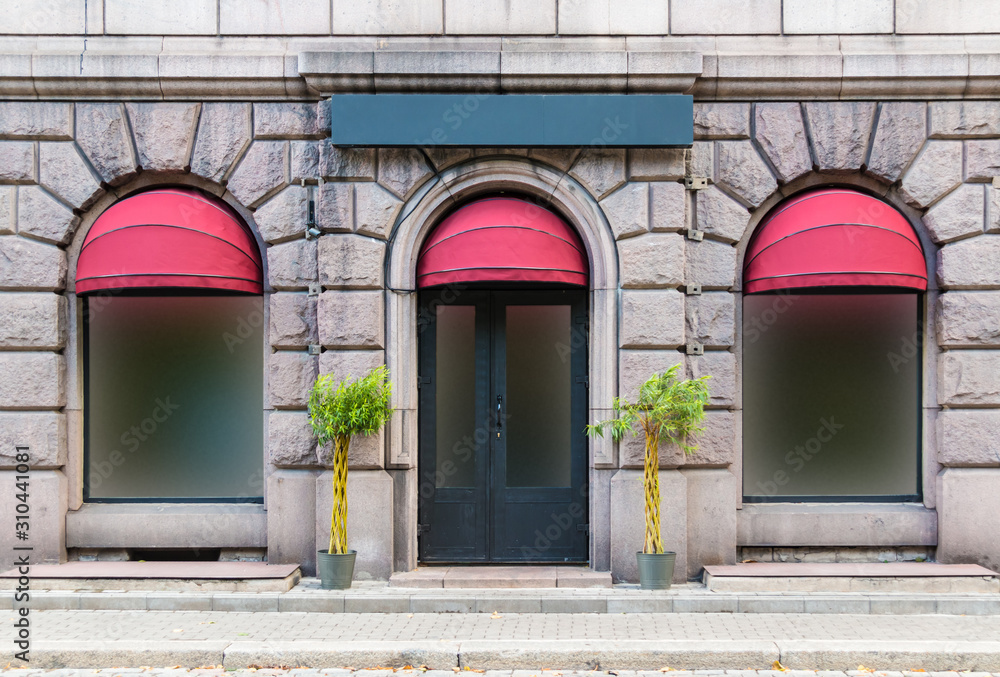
point(369, 520)
point(292, 320)
point(721, 366)
point(32, 380)
point(223, 136)
point(710, 264)
point(290, 377)
point(385, 17)
point(720, 216)
point(366, 452)
point(982, 159)
point(652, 319)
point(702, 160)
point(993, 208)
point(970, 264)
point(969, 438)
point(177, 525)
point(901, 132)
point(839, 133)
point(712, 495)
point(8, 210)
point(292, 265)
point(628, 522)
point(716, 445)
point(628, 209)
point(290, 440)
point(352, 319)
point(262, 172)
point(516, 17)
point(48, 503)
point(41, 216)
point(968, 505)
point(350, 364)
point(291, 120)
point(741, 168)
point(350, 262)
point(721, 120)
point(274, 17)
point(727, 17)
point(27, 265)
point(375, 210)
point(36, 120)
point(346, 163)
point(958, 215)
point(968, 319)
point(969, 378)
point(17, 162)
point(667, 207)
point(711, 319)
point(164, 134)
point(304, 160)
point(33, 18)
point(936, 171)
point(36, 321)
point(401, 170)
point(947, 17)
point(600, 170)
point(781, 135)
point(43, 432)
point(147, 17)
point(335, 207)
point(445, 156)
point(960, 119)
point(656, 164)
point(65, 174)
point(636, 366)
point(803, 17)
point(605, 17)
point(102, 132)
point(652, 261)
point(291, 502)
point(284, 216)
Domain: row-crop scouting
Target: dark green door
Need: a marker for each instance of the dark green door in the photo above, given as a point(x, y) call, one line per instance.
point(503, 461)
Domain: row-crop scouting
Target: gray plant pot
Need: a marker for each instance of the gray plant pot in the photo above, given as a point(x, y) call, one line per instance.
point(335, 571)
point(655, 571)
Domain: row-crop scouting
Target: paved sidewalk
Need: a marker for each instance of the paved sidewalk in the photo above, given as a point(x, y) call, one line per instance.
point(337, 672)
point(93, 639)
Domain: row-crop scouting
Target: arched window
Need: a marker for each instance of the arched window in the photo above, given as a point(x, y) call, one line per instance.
point(833, 281)
point(171, 281)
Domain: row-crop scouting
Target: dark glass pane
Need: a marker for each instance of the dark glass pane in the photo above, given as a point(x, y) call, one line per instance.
point(175, 397)
point(830, 395)
point(538, 396)
point(455, 375)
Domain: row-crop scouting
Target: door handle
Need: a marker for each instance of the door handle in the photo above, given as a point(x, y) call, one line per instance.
point(499, 415)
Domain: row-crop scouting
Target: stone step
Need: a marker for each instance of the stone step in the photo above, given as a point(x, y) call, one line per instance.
point(807, 577)
point(501, 577)
point(159, 576)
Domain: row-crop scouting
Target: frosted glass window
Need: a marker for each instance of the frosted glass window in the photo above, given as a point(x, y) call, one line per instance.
point(831, 395)
point(538, 396)
point(175, 397)
point(457, 439)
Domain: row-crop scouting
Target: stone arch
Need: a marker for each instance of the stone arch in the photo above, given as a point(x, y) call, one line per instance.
point(417, 217)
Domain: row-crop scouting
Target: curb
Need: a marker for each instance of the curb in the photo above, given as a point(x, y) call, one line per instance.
point(932, 656)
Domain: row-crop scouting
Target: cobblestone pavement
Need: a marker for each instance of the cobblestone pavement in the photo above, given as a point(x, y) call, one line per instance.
point(336, 672)
point(269, 626)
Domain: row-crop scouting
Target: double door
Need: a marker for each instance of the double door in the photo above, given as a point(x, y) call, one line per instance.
point(502, 460)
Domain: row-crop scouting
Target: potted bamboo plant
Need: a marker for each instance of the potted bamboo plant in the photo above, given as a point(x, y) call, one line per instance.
point(338, 412)
point(668, 410)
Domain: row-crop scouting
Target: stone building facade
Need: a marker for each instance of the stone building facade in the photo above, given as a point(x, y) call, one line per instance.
point(872, 96)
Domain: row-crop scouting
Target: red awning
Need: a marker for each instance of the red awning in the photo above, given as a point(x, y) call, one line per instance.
point(834, 237)
point(502, 240)
point(169, 237)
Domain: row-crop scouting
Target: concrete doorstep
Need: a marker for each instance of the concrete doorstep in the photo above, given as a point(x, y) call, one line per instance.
point(930, 656)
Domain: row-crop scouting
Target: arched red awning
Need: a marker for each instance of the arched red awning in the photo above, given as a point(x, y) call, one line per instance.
point(502, 240)
point(834, 237)
point(169, 237)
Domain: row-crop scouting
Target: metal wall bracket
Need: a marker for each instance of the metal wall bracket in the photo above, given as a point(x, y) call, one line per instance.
point(314, 349)
point(695, 182)
point(315, 288)
point(694, 348)
point(695, 234)
point(692, 289)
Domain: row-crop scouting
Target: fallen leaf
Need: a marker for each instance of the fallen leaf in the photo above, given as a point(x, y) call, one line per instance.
point(178, 630)
point(776, 665)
